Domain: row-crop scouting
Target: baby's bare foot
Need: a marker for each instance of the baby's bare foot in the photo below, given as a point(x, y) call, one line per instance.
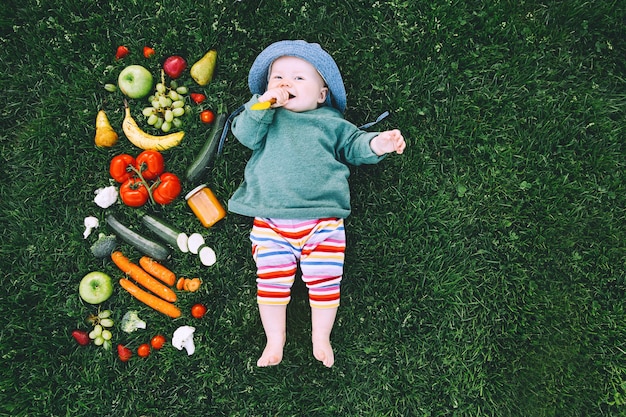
point(323, 351)
point(272, 355)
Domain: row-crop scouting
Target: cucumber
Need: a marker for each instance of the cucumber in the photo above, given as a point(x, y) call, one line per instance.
point(143, 244)
point(205, 156)
point(166, 232)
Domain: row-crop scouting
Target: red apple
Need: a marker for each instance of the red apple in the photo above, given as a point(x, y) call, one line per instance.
point(174, 66)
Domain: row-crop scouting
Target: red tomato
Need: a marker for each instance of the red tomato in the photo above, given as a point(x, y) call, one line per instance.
point(120, 167)
point(143, 351)
point(157, 341)
point(134, 193)
point(198, 311)
point(168, 188)
point(207, 116)
point(150, 163)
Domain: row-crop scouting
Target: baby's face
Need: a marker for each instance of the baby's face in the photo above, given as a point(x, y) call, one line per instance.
point(301, 80)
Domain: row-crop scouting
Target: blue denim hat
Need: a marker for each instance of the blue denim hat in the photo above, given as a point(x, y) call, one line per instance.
point(311, 52)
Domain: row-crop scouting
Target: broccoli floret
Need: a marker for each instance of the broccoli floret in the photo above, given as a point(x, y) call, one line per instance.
point(132, 322)
point(103, 247)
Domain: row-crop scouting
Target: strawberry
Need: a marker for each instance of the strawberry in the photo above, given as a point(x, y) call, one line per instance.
point(148, 52)
point(124, 353)
point(81, 337)
point(122, 51)
point(197, 97)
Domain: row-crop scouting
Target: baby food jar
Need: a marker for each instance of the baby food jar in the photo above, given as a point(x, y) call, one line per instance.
point(205, 205)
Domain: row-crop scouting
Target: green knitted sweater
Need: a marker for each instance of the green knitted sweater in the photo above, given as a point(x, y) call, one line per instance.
point(298, 167)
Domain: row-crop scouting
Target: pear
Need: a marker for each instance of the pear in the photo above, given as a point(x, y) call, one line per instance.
point(105, 135)
point(202, 71)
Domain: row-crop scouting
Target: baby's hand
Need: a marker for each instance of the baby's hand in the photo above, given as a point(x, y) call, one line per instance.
point(278, 95)
point(388, 141)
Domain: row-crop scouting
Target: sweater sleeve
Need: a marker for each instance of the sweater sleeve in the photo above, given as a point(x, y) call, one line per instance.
point(355, 147)
point(250, 126)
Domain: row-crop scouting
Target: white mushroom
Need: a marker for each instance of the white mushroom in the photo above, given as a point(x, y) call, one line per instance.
point(90, 223)
point(106, 197)
point(183, 338)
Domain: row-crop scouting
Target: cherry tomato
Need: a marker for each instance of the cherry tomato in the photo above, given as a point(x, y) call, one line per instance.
point(143, 351)
point(134, 193)
point(207, 116)
point(168, 188)
point(198, 311)
point(157, 341)
point(120, 167)
point(150, 163)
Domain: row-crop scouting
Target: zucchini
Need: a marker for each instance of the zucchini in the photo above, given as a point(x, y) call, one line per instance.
point(144, 245)
point(166, 232)
point(205, 156)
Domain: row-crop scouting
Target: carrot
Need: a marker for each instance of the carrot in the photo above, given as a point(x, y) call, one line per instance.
point(180, 284)
point(192, 285)
point(142, 277)
point(157, 270)
point(150, 300)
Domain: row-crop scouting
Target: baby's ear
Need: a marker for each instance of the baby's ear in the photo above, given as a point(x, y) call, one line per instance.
point(323, 93)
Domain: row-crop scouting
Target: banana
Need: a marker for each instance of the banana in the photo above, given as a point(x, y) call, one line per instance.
point(145, 140)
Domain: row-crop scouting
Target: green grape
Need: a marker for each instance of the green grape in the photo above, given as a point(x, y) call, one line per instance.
point(98, 341)
point(166, 126)
point(156, 104)
point(182, 90)
point(178, 103)
point(107, 335)
point(146, 112)
point(104, 314)
point(177, 123)
point(152, 119)
point(160, 87)
point(174, 95)
point(151, 98)
point(158, 123)
point(169, 115)
point(178, 111)
point(173, 84)
point(165, 102)
point(107, 345)
point(106, 322)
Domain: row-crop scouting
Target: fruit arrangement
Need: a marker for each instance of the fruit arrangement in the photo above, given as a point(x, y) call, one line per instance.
point(167, 99)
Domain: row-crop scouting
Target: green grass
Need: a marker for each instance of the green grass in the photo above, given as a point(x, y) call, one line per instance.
point(486, 267)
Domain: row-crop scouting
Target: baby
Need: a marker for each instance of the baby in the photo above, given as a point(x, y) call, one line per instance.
point(296, 185)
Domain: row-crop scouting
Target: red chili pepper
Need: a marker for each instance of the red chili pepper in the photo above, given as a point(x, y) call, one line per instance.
point(150, 163)
point(148, 52)
point(168, 188)
point(122, 51)
point(124, 353)
point(197, 97)
point(120, 167)
point(134, 193)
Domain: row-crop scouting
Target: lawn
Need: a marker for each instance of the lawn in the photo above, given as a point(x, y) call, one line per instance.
point(486, 267)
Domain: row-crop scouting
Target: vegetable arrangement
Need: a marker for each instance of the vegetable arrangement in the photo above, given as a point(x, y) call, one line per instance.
point(140, 179)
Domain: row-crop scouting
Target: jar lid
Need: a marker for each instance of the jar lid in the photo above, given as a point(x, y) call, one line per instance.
point(195, 190)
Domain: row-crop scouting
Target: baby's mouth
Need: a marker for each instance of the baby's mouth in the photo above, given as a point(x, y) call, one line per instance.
point(291, 96)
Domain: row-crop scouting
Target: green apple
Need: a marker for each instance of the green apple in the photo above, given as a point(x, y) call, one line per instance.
point(95, 287)
point(135, 81)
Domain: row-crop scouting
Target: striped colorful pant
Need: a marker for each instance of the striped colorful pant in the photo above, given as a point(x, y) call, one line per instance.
point(318, 245)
